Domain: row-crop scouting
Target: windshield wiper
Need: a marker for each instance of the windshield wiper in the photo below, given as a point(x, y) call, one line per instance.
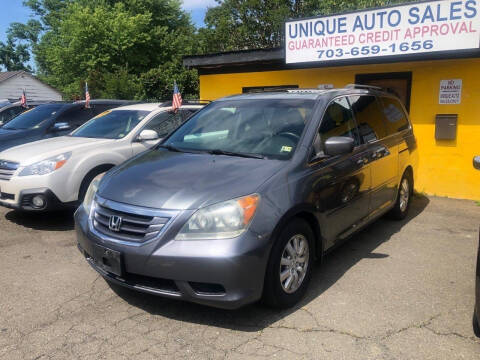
point(231, 153)
point(170, 148)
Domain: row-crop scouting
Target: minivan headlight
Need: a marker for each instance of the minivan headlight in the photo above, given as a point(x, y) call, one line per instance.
point(224, 220)
point(47, 166)
point(90, 194)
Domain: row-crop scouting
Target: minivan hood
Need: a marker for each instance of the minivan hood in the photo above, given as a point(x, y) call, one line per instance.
point(43, 149)
point(178, 181)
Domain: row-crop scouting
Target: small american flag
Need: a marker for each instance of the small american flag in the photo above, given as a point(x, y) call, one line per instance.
point(23, 100)
point(87, 96)
point(177, 98)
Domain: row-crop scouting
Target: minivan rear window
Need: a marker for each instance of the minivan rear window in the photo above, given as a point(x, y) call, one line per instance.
point(395, 116)
point(369, 116)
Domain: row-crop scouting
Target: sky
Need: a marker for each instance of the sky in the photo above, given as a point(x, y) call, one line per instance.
point(14, 11)
point(11, 11)
point(196, 8)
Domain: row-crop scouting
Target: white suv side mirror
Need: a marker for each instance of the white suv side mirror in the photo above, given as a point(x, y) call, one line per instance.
point(147, 135)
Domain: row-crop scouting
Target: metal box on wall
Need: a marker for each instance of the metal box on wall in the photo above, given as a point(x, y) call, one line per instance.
point(446, 126)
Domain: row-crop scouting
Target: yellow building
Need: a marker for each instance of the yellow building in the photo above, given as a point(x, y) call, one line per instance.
point(431, 84)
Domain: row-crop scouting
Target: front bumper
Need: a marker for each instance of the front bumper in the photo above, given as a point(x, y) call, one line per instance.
point(17, 192)
point(221, 273)
point(22, 200)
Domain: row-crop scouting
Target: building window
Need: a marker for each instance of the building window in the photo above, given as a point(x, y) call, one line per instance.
point(397, 83)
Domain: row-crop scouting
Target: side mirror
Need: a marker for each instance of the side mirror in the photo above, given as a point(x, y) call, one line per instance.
point(61, 126)
point(476, 162)
point(339, 145)
point(147, 135)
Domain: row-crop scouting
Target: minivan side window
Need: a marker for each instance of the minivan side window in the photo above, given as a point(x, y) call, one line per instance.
point(395, 117)
point(338, 121)
point(369, 116)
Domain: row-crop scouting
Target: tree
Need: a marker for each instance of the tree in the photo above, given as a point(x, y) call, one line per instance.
point(252, 24)
point(109, 43)
point(13, 56)
point(158, 83)
point(15, 52)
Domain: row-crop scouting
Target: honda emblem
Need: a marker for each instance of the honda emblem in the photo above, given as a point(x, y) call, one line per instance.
point(115, 223)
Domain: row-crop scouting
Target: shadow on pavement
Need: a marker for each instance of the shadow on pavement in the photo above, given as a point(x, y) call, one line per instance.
point(50, 221)
point(257, 317)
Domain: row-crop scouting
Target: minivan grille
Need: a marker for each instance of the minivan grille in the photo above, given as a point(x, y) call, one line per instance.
point(7, 169)
point(133, 227)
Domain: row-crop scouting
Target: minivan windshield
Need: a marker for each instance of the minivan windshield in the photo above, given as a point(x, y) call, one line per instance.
point(265, 127)
point(110, 124)
point(34, 118)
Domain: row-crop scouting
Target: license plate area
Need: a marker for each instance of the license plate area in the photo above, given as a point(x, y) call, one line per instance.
point(108, 260)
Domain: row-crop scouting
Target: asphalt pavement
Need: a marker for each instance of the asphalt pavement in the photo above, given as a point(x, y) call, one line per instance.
point(398, 290)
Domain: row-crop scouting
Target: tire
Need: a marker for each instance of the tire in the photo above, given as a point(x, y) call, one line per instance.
point(476, 325)
point(88, 179)
point(404, 197)
point(277, 292)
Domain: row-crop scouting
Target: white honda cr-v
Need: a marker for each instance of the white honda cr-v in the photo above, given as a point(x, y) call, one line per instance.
point(54, 173)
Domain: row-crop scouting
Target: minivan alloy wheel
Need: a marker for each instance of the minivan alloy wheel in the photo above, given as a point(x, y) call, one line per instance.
point(294, 263)
point(404, 194)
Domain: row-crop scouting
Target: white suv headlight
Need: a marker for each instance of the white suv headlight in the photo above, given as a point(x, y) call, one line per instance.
point(90, 194)
point(224, 220)
point(46, 166)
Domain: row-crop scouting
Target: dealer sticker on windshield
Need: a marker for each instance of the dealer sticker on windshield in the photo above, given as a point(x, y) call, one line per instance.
point(27, 111)
point(103, 114)
point(286, 149)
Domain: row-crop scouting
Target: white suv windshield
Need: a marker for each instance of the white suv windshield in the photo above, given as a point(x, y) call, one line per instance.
point(114, 124)
point(268, 128)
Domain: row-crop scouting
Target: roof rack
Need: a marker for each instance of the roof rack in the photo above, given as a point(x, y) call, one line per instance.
point(305, 91)
point(360, 86)
point(185, 102)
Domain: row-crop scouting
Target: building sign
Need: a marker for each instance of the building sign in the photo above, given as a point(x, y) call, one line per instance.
point(450, 92)
point(425, 27)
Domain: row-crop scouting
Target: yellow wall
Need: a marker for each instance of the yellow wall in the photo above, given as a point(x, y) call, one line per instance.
point(445, 167)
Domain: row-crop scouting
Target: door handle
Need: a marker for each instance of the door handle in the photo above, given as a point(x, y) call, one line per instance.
point(362, 161)
point(380, 153)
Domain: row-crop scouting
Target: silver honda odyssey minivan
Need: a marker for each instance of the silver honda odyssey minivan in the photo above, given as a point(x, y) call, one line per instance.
point(238, 203)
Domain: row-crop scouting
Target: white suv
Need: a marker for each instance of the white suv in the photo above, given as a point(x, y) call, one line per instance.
point(53, 173)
